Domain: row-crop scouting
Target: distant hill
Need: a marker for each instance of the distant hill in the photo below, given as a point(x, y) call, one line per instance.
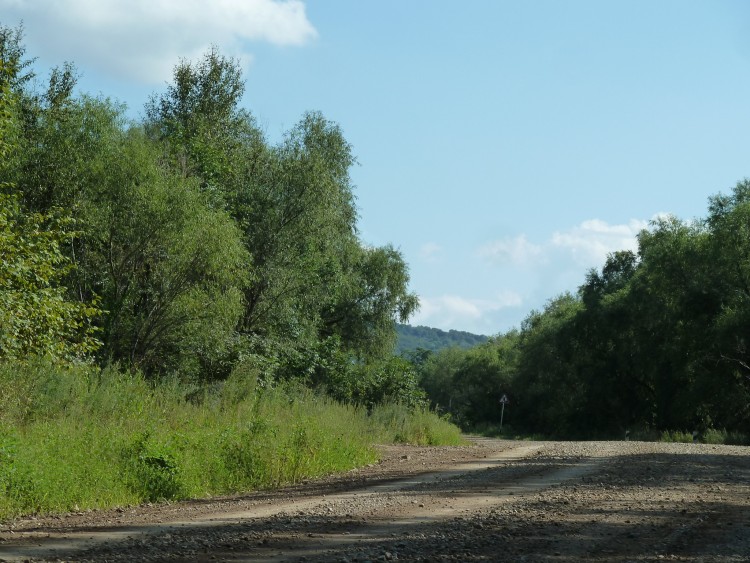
point(413, 337)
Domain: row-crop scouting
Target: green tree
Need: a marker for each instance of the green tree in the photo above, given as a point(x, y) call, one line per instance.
point(202, 127)
point(485, 375)
point(728, 222)
point(437, 377)
point(311, 279)
point(36, 317)
point(548, 389)
point(677, 302)
point(616, 395)
point(374, 295)
point(170, 267)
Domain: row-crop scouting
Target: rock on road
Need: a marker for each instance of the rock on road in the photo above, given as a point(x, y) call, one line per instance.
point(494, 500)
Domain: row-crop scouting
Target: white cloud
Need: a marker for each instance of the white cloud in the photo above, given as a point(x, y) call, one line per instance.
point(662, 216)
point(516, 250)
point(532, 271)
point(142, 40)
point(455, 312)
point(590, 242)
point(430, 251)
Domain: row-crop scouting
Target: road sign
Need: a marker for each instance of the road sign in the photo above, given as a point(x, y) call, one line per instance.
point(503, 401)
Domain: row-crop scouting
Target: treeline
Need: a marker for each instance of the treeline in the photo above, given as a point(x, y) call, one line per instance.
point(656, 340)
point(412, 339)
point(186, 243)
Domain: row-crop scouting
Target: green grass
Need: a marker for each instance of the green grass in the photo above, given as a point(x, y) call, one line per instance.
point(721, 436)
point(420, 426)
point(710, 436)
point(78, 438)
point(507, 432)
point(676, 436)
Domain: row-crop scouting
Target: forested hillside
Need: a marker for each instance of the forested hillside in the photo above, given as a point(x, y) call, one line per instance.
point(411, 338)
point(653, 341)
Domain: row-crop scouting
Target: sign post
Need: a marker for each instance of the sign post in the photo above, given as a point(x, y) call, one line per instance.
point(503, 401)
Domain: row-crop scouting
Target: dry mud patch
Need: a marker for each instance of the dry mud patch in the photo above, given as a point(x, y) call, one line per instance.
point(491, 501)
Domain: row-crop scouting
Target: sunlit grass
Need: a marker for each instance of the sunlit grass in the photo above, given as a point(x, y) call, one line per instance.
point(78, 438)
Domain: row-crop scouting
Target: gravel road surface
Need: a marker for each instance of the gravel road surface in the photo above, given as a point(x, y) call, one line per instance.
point(493, 500)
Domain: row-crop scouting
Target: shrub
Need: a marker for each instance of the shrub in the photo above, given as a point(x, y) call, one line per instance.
point(150, 471)
point(78, 437)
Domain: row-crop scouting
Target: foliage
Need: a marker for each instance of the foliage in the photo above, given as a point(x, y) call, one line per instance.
point(311, 278)
point(416, 426)
point(150, 473)
point(654, 342)
point(175, 269)
point(78, 437)
point(216, 279)
point(196, 242)
point(36, 315)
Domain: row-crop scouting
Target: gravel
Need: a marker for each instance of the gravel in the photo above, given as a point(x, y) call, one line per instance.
point(491, 501)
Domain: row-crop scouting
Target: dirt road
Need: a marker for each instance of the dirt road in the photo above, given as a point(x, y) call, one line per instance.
point(491, 501)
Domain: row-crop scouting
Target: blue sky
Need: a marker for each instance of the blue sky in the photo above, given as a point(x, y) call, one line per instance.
point(505, 147)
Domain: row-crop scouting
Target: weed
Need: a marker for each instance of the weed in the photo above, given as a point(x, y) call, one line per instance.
point(88, 438)
point(150, 471)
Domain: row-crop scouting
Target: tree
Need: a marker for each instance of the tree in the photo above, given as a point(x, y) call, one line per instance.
point(677, 302)
point(373, 298)
point(547, 388)
point(311, 277)
point(729, 225)
point(486, 375)
point(36, 317)
point(603, 337)
point(299, 219)
point(437, 374)
point(201, 125)
point(170, 267)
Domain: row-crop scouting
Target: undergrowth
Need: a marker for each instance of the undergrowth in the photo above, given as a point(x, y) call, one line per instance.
point(709, 436)
point(73, 438)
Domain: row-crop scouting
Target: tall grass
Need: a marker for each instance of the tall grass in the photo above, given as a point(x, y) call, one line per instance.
point(78, 437)
point(707, 436)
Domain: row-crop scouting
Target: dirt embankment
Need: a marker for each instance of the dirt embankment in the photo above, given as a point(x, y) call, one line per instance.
point(491, 501)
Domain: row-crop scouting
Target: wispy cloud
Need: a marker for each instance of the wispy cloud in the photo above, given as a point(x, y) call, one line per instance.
point(143, 39)
point(430, 251)
point(476, 315)
point(590, 242)
point(530, 272)
point(587, 244)
point(518, 251)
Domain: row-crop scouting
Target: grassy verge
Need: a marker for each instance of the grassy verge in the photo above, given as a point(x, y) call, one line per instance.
point(77, 438)
point(710, 436)
point(507, 432)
